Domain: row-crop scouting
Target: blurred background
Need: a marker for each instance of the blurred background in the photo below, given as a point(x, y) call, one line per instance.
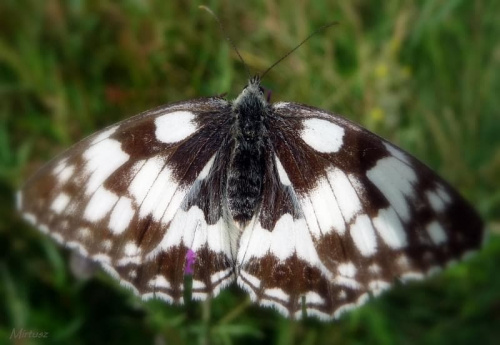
point(423, 74)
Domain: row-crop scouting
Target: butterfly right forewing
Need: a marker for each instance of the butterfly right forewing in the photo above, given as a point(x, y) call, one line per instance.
point(133, 198)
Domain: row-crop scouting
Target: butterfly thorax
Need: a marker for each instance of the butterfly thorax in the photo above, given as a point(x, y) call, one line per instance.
point(244, 184)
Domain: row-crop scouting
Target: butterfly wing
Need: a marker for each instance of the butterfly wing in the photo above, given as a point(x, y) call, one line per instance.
point(344, 214)
point(134, 198)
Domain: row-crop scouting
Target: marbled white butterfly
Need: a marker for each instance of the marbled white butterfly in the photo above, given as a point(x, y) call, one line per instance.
point(306, 210)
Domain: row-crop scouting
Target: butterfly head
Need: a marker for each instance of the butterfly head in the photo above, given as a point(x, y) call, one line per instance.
point(251, 102)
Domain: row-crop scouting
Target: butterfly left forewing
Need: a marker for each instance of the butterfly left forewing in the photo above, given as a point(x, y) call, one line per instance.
point(124, 197)
point(349, 214)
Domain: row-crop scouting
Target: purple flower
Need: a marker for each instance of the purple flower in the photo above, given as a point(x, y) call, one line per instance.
point(190, 258)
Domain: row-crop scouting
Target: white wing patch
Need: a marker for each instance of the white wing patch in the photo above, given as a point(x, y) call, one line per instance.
point(284, 179)
point(345, 194)
point(65, 174)
point(325, 209)
point(310, 217)
point(191, 229)
point(175, 126)
point(314, 298)
point(397, 153)
point(160, 282)
point(122, 214)
point(322, 135)
point(104, 135)
point(347, 269)
point(147, 176)
point(363, 235)
point(206, 169)
point(332, 204)
point(277, 293)
point(436, 233)
point(438, 199)
point(60, 203)
point(390, 228)
point(103, 159)
point(131, 249)
point(395, 180)
point(100, 204)
point(435, 201)
point(159, 195)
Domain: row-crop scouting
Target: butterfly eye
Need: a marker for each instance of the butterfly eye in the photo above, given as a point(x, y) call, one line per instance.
point(261, 89)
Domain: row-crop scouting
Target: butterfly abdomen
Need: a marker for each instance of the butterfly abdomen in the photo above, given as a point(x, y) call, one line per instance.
point(246, 171)
point(245, 182)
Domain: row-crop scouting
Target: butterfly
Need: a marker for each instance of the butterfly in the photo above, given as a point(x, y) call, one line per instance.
point(306, 211)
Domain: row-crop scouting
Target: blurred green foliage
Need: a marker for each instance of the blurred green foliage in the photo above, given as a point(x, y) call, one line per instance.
point(424, 74)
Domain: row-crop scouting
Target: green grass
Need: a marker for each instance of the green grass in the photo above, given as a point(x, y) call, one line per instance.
point(423, 74)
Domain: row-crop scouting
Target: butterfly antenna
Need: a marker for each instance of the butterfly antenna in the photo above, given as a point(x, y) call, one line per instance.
point(202, 7)
point(324, 27)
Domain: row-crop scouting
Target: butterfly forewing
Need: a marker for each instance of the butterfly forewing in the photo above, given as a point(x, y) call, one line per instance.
point(344, 215)
point(134, 198)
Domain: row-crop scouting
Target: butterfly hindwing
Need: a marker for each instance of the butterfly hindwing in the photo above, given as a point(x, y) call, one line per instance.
point(134, 198)
point(344, 214)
